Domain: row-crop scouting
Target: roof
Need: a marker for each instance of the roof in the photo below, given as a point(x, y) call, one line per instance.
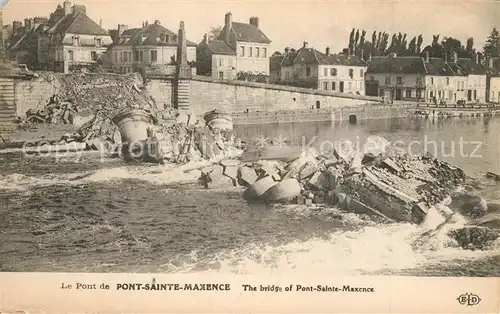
point(78, 23)
point(437, 66)
point(401, 65)
point(247, 33)
point(275, 62)
point(218, 47)
point(312, 56)
point(471, 67)
point(150, 35)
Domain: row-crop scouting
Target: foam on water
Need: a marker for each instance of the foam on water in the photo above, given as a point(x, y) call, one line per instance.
point(369, 249)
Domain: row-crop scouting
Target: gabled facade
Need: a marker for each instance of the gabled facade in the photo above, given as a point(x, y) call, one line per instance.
point(152, 45)
point(216, 59)
point(71, 40)
point(249, 43)
point(428, 79)
point(308, 67)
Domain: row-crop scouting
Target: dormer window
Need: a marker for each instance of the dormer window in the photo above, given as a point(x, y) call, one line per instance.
point(167, 38)
point(76, 40)
point(98, 42)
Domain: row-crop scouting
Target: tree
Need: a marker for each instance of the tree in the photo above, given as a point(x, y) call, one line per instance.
point(492, 47)
point(214, 32)
point(351, 39)
point(420, 40)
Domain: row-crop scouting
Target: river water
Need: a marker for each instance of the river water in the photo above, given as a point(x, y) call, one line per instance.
point(87, 214)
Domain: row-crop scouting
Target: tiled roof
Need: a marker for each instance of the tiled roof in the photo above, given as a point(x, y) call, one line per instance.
point(437, 66)
point(247, 33)
point(150, 35)
point(218, 47)
point(78, 23)
point(313, 56)
point(471, 67)
point(401, 65)
point(340, 59)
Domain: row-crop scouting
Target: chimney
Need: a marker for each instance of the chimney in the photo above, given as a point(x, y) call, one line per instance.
point(327, 51)
point(427, 56)
point(67, 7)
point(455, 57)
point(254, 21)
point(205, 38)
point(27, 25)
point(16, 25)
point(80, 8)
point(287, 50)
point(122, 28)
point(304, 45)
point(100, 23)
point(228, 24)
point(157, 22)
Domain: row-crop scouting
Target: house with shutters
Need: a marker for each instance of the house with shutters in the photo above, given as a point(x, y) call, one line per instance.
point(216, 59)
point(71, 40)
point(428, 79)
point(150, 46)
point(242, 46)
point(310, 68)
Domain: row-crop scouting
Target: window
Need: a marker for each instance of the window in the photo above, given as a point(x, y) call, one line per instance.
point(333, 71)
point(325, 72)
point(351, 73)
point(382, 92)
point(121, 56)
point(93, 55)
point(419, 80)
point(361, 73)
point(333, 86)
point(76, 41)
point(136, 55)
point(221, 75)
point(372, 78)
point(141, 56)
point(447, 81)
point(349, 86)
point(257, 52)
point(287, 76)
point(116, 56)
point(361, 85)
point(450, 94)
point(325, 85)
point(387, 80)
point(98, 42)
point(221, 62)
point(154, 55)
point(230, 62)
point(408, 93)
point(308, 71)
point(242, 51)
point(70, 55)
point(432, 81)
point(250, 52)
point(264, 52)
point(125, 57)
point(130, 56)
point(399, 80)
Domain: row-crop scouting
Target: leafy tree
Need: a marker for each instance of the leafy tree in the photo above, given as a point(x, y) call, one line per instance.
point(214, 32)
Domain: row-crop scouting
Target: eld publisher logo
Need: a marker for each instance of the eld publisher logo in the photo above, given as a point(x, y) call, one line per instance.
point(469, 299)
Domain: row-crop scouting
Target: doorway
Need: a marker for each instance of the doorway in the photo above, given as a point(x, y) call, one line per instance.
point(399, 94)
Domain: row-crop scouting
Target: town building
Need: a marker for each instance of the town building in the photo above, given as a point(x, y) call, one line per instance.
point(22, 44)
point(493, 80)
point(69, 40)
point(428, 79)
point(310, 68)
point(248, 43)
point(150, 46)
point(216, 59)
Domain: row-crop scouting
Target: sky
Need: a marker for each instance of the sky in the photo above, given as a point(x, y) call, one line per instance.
point(290, 23)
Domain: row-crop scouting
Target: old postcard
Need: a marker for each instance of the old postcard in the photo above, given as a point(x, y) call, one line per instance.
point(249, 156)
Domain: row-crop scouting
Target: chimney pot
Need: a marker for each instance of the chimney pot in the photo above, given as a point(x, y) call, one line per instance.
point(305, 44)
point(157, 22)
point(287, 49)
point(205, 38)
point(254, 21)
point(327, 51)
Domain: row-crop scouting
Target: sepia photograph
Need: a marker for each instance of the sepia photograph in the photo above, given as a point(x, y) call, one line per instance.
point(257, 138)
